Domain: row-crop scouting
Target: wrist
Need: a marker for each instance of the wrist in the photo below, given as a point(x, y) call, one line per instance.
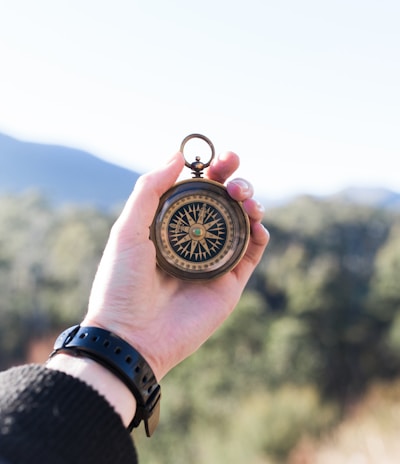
point(136, 340)
point(102, 380)
point(121, 360)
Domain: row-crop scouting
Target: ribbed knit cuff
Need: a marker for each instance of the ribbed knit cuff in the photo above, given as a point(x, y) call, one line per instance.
point(50, 417)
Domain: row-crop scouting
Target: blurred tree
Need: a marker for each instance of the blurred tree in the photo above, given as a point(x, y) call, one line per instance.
point(316, 275)
point(47, 262)
point(73, 253)
point(319, 320)
point(25, 222)
point(384, 300)
point(385, 286)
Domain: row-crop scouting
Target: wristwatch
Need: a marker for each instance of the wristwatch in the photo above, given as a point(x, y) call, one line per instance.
point(124, 361)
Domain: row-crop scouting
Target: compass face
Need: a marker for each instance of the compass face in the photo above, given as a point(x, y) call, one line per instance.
point(199, 231)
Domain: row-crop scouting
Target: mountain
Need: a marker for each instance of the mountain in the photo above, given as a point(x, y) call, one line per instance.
point(67, 175)
point(373, 197)
point(64, 175)
point(370, 196)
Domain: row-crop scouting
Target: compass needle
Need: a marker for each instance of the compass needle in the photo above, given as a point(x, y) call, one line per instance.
point(202, 214)
point(193, 248)
point(205, 246)
point(217, 222)
point(185, 239)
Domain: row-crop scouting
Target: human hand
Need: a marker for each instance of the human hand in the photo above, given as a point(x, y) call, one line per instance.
point(164, 318)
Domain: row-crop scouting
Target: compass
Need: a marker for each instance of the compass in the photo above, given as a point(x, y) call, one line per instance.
point(199, 231)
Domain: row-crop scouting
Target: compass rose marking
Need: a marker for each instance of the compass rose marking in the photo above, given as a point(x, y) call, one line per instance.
point(184, 239)
point(190, 219)
point(197, 232)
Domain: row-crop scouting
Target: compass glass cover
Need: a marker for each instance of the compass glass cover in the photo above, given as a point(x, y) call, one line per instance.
point(199, 231)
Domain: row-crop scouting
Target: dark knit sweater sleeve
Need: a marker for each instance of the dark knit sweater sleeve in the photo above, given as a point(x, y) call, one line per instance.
point(49, 417)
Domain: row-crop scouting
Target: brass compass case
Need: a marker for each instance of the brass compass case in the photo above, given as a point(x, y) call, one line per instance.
point(199, 231)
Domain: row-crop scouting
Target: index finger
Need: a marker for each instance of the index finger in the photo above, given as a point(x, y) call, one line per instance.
point(223, 167)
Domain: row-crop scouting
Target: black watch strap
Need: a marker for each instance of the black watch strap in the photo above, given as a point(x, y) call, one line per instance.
point(124, 361)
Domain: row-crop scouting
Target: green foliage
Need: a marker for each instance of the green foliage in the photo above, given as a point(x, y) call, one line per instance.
point(47, 263)
point(274, 421)
point(318, 322)
point(289, 355)
point(385, 288)
point(318, 276)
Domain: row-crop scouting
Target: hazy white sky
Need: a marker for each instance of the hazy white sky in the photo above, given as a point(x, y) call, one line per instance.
point(306, 92)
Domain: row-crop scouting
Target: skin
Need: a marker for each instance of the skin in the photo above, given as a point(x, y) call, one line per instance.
point(164, 318)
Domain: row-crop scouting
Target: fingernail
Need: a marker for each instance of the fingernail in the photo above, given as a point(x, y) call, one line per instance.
point(242, 184)
point(260, 207)
point(223, 156)
point(172, 159)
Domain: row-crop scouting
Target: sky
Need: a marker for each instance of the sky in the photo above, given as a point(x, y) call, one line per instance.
point(306, 92)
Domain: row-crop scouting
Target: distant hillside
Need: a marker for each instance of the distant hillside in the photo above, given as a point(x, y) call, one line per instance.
point(373, 197)
point(65, 175)
point(376, 197)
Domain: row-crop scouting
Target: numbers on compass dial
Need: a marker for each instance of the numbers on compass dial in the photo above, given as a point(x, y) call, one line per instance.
point(197, 231)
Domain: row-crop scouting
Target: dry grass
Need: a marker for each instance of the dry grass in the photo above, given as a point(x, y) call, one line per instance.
point(370, 434)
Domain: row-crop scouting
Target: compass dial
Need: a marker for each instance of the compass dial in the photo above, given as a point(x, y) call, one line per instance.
point(199, 231)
